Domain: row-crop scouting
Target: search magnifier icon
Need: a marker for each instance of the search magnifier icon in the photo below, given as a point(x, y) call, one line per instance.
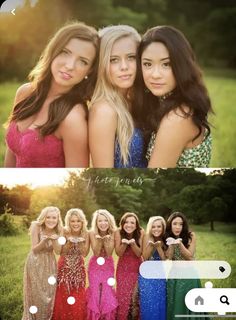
point(224, 299)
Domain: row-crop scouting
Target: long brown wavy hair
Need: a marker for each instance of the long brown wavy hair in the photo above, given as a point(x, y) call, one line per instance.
point(190, 89)
point(137, 231)
point(41, 76)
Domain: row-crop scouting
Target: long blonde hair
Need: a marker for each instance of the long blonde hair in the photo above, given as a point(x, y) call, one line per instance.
point(105, 90)
point(80, 215)
point(150, 223)
point(106, 214)
point(42, 217)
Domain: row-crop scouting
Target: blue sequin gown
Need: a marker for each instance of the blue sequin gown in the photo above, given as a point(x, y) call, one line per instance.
point(136, 158)
point(152, 294)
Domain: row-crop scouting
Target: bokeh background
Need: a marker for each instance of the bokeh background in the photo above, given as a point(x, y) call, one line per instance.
point(210, 26)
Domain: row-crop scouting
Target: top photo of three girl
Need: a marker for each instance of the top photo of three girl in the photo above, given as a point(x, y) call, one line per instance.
point(112, 99)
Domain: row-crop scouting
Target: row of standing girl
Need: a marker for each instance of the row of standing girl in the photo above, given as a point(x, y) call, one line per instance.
point(148, 104)
point(135, 296)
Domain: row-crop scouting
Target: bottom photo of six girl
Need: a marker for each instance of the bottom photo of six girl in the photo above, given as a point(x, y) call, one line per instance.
point(110, 286)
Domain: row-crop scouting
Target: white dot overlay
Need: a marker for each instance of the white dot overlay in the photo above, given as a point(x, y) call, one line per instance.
point(33, 309)
point(111, 281)
point(61, 240)
point(100, 261)
point(208, 285)
point(71, 300)
point(52, 280)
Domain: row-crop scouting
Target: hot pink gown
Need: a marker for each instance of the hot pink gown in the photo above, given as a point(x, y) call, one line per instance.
point(101, 298)
point(126, 277)
point(32, 151)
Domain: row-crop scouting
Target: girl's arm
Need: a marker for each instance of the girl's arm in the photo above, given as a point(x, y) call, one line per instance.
point(136, 249)
point(74, 132)
point(170, 252)
point(147, 247)
point(36, 244)
point(175, 133)
point(96, 244)
point(85, 245)
point(159, 247)
point(21, 93)
point(119, 246)
point(108, 244)
point(188, 253)
point(102, 132)
point(10, 159)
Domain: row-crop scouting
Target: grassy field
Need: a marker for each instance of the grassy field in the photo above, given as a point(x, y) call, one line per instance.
point(221, 85)
point(218, 245)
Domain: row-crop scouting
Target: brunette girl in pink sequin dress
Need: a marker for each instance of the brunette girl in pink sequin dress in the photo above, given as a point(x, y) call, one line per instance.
point(71, 278)
point(128, 246)
point(48, 124)
point(102, 302)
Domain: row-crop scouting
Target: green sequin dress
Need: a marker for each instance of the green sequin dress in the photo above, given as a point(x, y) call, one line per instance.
point(176, 292)
point(197, 157)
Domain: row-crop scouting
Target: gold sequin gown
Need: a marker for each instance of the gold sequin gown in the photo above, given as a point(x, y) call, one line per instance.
point(37, 291)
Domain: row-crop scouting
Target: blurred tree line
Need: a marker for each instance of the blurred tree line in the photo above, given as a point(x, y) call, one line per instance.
point(210, 26)
point(202, 198)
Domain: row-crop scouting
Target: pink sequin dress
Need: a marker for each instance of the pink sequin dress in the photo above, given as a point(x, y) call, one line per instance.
point(32, 151)
point(126, 276)
point(101, 298)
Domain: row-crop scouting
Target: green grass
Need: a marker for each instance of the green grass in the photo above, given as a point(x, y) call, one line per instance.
point(221, 84)
point(217, 245)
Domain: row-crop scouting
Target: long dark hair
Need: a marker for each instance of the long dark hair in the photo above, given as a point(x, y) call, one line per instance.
point(137, 231)
point(41, 77)
point(185, 234)
point(190, 89)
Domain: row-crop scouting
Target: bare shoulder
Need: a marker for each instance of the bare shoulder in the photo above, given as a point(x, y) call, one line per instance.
point(117, 233)
point(23, 92)
point(76, 114)
point(35, 227)
point(193, 235)
point(102, 108)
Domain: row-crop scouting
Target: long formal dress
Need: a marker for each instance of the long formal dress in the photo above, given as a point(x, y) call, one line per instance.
point(71, 280)
point(176, 292)
point(127, 282)
point(196, 157)
point(152, 294)
point(33, 151)
point(136, 156)
point(101, 297)
point(37, 291)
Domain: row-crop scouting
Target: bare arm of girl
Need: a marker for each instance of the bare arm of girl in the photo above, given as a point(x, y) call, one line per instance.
point(37, 245)
point(147, 247)
point(119, 246)
point(136, 249)
point(188, 253)
point(102, 132)
point(108, 244)
point(74, 132)
point(10, 159)
point(170, 252)
point(96, 244)
point(85, 245)
point(175, 133)
point(21, 93)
